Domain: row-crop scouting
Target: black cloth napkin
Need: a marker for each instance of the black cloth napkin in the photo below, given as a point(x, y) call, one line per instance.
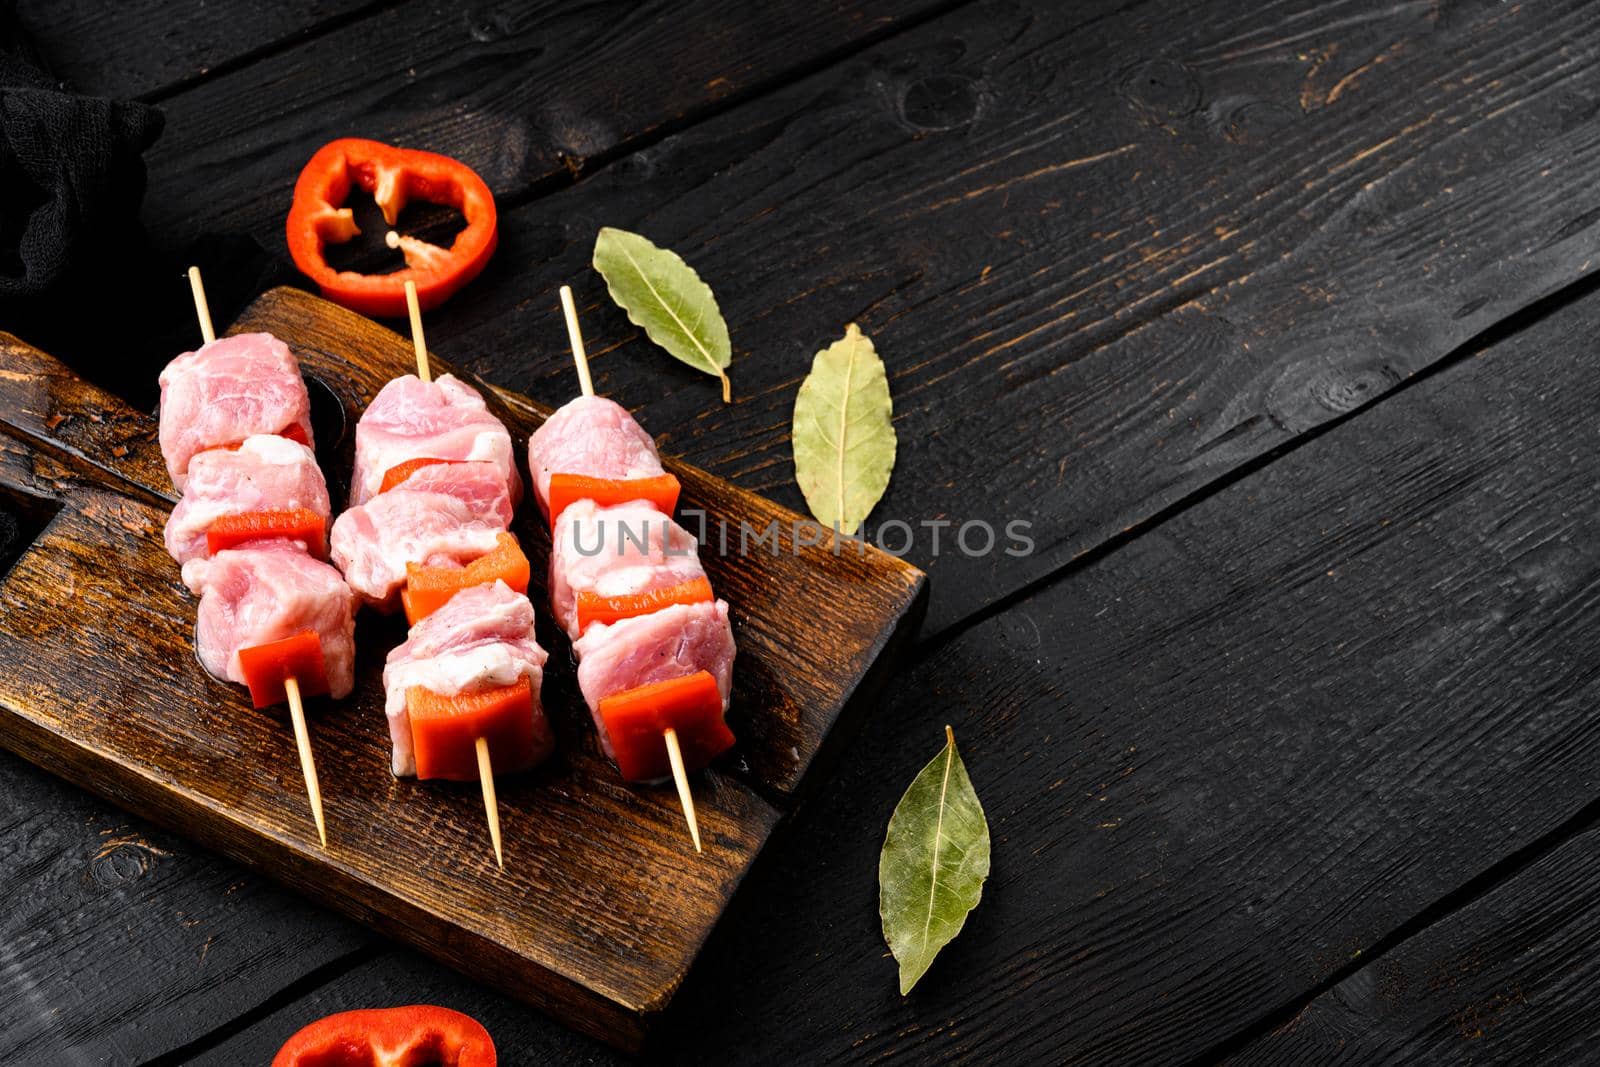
point(78, 276)
point(71, 172)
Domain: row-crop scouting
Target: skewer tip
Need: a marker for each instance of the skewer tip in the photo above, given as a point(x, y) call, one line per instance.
point(575, 337)
point(308, 765)
point(680, 778)
point(418, 342)
point(491, 806)
point(202, 310)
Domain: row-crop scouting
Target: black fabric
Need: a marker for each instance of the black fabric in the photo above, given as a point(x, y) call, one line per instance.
point(78, 276)
point(71, 171)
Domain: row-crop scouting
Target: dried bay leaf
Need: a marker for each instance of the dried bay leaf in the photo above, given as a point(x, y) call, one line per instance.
point(666, 298)
point(844, 440)
point(934, 862)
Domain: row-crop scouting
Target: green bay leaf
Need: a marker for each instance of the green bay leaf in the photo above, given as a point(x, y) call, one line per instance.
point(666, 298)
point(934, 862)
point(844, 440)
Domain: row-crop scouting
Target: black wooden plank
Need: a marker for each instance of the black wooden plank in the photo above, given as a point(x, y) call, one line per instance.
point(143, 47)
point(403, 977)
point(119, 941)
point(1509, 979)
point(1392, 271)
point(527, 94)
point(1101, 278)
point(1219, 762)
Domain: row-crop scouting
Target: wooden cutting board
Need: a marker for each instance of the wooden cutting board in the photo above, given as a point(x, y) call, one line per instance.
point(603, 904)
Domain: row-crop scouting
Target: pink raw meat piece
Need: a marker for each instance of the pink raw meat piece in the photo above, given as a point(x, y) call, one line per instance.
point(592, 436)
point(671, 643)
point(265, 473)
point(443, 419)
point(445, 513)
point(225, 392)
point(617, 551)
point(266, 592)
point(483, 637)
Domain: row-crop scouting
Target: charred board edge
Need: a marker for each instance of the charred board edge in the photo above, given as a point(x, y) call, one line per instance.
point(43, 402)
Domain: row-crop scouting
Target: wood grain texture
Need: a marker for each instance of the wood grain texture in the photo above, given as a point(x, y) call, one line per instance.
point(101, 685)
point(1506, 980)
point(1319, 200)
point(405, 977)
point(45, 402)
point(1105, 259)
point(141, 47)
point(119, 940)
point(1225, 759)
point(1218, 763)
point(526, 94)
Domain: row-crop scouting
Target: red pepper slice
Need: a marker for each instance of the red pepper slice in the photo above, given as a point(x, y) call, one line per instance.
point(430, 588)
point(635, 720)
point(660, 490)
point(401, 471)
point(417, 1034)
point(445, 730)
point(296, 524)
point(267, 666)
point(592, 607)
point(393, 176)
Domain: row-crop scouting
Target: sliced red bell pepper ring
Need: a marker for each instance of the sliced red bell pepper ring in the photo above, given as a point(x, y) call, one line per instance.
point(592, 607)
point(417, 1034)
point(661, 490)
point(296, 524)
point(266, 668)
point(445, 730)
point(430, 588)
point(401, 471)
point(636, 719)
point(318, 217)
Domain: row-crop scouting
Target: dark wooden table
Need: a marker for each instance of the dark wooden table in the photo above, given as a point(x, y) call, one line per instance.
point(1274, 320)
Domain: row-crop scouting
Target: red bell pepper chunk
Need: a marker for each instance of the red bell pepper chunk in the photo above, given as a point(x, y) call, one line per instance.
point(636, 719)
point(296, 524)
point(318, 217)
point(401, 471)
point(429, 588)
point(592, 607)
point(417, 1034)
point(445, 730)
point(294, 432)
point(266, 668)
point(660, 490)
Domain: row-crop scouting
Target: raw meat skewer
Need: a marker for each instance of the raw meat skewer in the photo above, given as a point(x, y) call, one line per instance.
point(491, 805)
point(666, 622)
point(291, 683)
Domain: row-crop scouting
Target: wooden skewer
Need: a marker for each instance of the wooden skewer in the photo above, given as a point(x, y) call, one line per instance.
point(575, 336)
point(308, 766)
point(491, 806)
point(291, 686)
point(680, 777)
point(201, 309)
point(417, 342)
